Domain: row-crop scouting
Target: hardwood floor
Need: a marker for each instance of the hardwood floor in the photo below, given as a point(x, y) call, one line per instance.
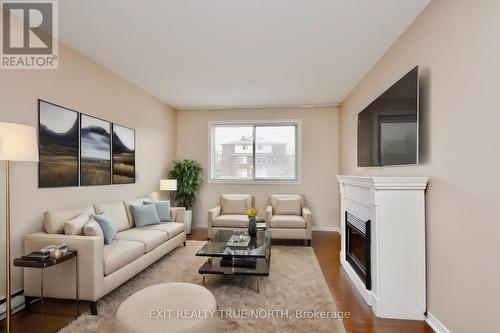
point(326, 245)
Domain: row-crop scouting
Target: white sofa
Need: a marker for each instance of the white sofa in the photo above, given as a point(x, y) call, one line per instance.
point(102, 268)
point(230, 214)
point(288, 218)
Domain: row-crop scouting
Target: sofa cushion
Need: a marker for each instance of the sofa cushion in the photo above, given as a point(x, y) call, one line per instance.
point(55, 220)
point(171, 228)
point(120, 253)
point(76, 224)
point(92, 228)
point(145, 215)
point(162, 208)
point(134, 202)
point(230, 221)
point(117, 212)
point(231, 204)
point(288, 222)
point(107, 226)
point(150, 238)
point(287, 206)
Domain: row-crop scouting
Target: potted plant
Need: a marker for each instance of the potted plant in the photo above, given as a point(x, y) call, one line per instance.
point(189, 175)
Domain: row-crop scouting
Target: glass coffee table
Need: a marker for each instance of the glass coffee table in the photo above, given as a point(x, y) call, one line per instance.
point(252, 260)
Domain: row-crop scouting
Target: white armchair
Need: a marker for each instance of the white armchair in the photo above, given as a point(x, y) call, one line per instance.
point(230, 214)
point(287, 218)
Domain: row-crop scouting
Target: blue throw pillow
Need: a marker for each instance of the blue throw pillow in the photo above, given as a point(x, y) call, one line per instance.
point(145, 215)
point(162, 208)
point(107, 226)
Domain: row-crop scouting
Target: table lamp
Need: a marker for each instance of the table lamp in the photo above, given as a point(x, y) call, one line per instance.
point(17, 143)
point(168, 185)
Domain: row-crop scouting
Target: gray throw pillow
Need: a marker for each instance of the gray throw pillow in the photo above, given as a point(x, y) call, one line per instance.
point(107, 226)
point(145, 215)
point(162, 208)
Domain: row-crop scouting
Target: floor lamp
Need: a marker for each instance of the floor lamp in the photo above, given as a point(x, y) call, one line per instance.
point(17, 143)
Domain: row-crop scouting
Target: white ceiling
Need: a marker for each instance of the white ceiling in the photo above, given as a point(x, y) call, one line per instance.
point(234, 53)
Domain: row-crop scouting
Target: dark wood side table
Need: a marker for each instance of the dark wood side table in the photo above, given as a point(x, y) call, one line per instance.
point(22, 262)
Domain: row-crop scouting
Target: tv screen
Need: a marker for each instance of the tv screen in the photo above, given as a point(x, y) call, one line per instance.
point(388, 127)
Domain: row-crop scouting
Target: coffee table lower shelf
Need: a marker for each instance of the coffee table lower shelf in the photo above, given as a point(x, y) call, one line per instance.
point(213, 266)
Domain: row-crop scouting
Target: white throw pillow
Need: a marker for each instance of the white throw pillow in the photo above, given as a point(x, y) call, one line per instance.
point(234, 206)
point(287, 206)
point(92, 228)
point(76, 224)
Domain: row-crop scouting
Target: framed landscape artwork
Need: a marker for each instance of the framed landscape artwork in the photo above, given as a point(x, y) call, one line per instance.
point(123, 155)
point(58, 129)
point(95, 151)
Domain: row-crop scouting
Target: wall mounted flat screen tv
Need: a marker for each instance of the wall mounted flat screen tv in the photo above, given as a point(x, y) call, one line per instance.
point(388, 127)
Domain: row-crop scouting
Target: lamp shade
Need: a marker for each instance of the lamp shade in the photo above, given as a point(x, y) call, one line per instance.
point(168, 185)
point(18, 142)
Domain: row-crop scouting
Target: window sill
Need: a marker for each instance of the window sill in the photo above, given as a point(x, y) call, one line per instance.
point(254, 182)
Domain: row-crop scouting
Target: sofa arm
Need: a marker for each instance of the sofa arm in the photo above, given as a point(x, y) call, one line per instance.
point(307, 215)
point(268, 215)
point(59, 280)
point(177, 214)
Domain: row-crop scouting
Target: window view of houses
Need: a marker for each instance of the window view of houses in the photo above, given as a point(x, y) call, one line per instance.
point(275, 152)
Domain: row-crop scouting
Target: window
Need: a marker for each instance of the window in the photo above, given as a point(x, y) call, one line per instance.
point(242, 173)
point(255, 151)
point(261, 160)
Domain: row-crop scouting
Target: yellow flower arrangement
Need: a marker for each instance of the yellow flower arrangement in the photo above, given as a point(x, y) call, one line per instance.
point(251, 213)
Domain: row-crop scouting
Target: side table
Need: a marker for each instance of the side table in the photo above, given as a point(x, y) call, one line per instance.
point(22, 262)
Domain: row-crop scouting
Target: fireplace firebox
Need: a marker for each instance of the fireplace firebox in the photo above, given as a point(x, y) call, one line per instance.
point(357, 246)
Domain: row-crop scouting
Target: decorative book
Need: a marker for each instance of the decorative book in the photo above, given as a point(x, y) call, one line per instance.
point(38, 257)
point(239, 241)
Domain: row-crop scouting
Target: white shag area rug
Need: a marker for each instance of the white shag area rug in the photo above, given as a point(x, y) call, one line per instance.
point(294, 287)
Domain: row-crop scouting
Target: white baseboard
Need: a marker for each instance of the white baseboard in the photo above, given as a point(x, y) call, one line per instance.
point(330, 229)
point(314, 228)
point(435, 324)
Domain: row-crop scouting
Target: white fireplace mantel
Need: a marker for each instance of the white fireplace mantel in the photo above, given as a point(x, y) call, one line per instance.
point(396, 208)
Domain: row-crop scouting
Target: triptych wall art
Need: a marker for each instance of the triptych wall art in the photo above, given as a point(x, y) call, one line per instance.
point(77, 149)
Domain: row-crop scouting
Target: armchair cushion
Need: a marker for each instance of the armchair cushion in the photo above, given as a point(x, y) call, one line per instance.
point(288, 221)
point(230, 221)
point(287, 206)
point(234, 206)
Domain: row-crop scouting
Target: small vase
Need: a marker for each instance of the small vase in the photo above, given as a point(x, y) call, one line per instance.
point(252, 226)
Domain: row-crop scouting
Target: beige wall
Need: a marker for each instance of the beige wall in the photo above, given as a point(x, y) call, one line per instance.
point(456, 44)
point(319, 167)
point(84, 86)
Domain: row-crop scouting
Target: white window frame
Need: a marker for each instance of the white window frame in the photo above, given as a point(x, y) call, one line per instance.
point(298, 158)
